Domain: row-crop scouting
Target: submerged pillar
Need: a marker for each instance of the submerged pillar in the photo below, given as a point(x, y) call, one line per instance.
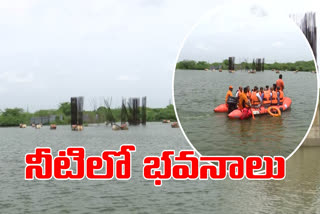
point(253, 67)
point(76, 110)
point(231, 63)
point(144, 111)
point(80, 110)
point(123, 113)
point(258, 64)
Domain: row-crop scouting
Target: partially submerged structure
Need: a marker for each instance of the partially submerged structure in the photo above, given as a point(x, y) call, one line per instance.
point(135, 113)
point(131, 112)
point(259, 64)
point(108, 114)
point(144, 111)
point(231, 63)
point(77, 113)
point(243, 64)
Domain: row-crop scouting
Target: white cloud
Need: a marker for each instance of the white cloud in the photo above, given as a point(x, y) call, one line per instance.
point(201, 47)
point(258, 11)
point(127, 78)
point(277, 44)
point(15, 77)
point(3, 90)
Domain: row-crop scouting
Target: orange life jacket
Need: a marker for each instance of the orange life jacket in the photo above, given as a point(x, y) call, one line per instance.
point(242, 101)
point(281, 97)
point(254, 99)
point(266, 98)
point(274, 100)
point(249, 95)
point(229, 93)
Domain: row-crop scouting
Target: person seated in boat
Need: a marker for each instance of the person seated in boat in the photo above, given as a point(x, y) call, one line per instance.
point(274, 87)
point(239, 91)
point(274, 96)
point(267, 88)
point(229, 93)
point(280, 96)
point(255, 98)
point(261, 92)
point(243, 100)
point(280, 83)
point(244, 105)
point(266, 99)
point(248, 93)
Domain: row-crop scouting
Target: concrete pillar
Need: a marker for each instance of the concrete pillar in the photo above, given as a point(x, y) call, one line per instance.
point(313, 138)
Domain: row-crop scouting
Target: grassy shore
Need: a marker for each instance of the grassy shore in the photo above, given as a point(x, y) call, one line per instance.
point(289, 66)
point(15, 116)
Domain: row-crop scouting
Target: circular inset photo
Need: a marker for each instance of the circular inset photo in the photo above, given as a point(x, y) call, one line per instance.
point(245, 83)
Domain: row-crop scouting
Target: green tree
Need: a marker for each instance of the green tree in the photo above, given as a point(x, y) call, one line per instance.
point(65, 108)
point(13, 117)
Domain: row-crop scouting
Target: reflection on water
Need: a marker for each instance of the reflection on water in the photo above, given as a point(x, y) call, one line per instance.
point(198, 92)
point(299, 192)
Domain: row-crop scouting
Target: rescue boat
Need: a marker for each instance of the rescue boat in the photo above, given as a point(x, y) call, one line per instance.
point(236, 114)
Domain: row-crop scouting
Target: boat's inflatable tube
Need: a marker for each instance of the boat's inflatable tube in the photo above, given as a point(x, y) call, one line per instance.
point(236, 114)
point(278, 114)
point(221, 108)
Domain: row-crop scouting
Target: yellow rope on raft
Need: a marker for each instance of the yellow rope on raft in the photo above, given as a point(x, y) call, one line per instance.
point(278, 114)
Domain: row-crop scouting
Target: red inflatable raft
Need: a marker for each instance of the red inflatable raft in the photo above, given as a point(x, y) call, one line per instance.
point(236, 114)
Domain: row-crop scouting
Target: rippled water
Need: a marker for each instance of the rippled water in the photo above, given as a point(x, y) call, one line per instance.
point(197, 93)
point(298, 192)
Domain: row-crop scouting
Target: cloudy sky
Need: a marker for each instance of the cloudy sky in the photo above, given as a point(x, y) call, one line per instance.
point(52, 50)
point(248, 30)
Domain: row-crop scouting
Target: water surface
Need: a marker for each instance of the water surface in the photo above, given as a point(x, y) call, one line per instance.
point(197, 93)
point(299, 192)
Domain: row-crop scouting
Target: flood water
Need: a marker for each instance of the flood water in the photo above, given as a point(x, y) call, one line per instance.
point(197, 93)
point(299, 192)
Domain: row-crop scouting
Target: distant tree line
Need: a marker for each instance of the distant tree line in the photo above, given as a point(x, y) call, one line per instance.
point(290, 66)
point(16, 116)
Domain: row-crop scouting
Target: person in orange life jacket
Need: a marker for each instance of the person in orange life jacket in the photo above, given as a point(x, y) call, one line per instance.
point(243, 100)
point(271, 90)
point(275, 87)
point(280, 83)
point(255, 98)
point(238, 94)
point(266, 99)
point(280, 96)
point(267, 88)
point(239, 91)
point(244, 104)
point(229, 93)
point(261, 93)
point(274, 96)
point(248, 93)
